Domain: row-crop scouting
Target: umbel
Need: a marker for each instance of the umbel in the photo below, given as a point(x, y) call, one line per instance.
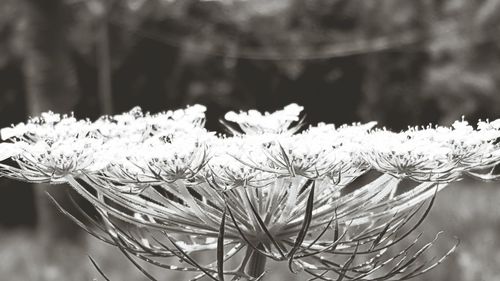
point(336, 203)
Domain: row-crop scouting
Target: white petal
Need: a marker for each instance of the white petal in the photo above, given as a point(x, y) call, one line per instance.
point(9, 132)
point(8, 150)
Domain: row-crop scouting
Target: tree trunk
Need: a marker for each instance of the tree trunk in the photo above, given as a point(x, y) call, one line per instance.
point(51, 85)
point(104, 63)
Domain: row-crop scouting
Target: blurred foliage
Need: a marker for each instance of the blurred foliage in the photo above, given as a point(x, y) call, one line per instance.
point(399, 62)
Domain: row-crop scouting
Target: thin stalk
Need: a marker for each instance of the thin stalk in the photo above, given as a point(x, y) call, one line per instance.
point(257, 263)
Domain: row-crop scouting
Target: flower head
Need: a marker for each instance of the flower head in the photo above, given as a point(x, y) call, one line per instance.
point(270, 190)
point(254, 122)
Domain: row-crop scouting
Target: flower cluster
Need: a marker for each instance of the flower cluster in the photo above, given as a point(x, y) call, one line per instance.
point(272, 187)
point(51, 147)
point(174, 145)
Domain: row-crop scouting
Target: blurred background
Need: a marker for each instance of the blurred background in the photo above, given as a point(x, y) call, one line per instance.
point(399, 62)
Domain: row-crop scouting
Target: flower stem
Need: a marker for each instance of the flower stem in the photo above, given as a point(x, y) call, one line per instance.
point(256, 264)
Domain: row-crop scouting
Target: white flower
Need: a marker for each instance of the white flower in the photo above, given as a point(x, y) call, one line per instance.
point(273, 191)
point(160, 158)
point(408, 155)
point(47, 161)
point(254, 122)
point(8, 150)
point(228, 166)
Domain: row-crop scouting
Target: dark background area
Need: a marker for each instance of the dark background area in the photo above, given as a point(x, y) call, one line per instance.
point(398, 62)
